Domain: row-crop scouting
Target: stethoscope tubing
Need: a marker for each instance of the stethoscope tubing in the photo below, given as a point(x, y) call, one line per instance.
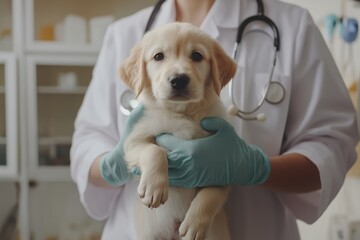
point(265, 90)
point(264, 19)
point(269, 84)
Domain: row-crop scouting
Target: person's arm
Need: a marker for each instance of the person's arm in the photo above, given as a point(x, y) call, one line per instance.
point(225, 159)
point(109, 169)
point(95, 177)
point(293, 173)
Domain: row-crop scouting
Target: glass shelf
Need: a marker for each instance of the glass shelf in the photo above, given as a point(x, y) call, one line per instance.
point(58, 85)
point(9, 203)
point(6, 26)
point(56, 116)
point(66, 26)
point(8, 122)
point(3, 151)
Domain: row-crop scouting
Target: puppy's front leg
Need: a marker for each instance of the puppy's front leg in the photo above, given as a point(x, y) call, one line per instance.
point(154, 185)
point(206, 207)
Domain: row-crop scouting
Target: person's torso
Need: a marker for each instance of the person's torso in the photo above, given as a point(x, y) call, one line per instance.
point(254, 213)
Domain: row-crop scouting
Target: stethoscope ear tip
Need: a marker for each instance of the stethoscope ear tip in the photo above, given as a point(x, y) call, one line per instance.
point(133, 103)
point(232, 110)
point(261, 117)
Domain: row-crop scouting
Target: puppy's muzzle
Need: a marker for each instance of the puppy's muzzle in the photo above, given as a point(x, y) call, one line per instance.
point(179, 82)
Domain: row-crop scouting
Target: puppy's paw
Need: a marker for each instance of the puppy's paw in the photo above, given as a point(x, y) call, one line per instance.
point(153, 189)
point(195, 228)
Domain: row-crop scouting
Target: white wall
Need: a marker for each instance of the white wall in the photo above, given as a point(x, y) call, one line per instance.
point(346, 204)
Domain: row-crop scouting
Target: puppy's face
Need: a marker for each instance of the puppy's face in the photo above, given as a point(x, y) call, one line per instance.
point(179, 63)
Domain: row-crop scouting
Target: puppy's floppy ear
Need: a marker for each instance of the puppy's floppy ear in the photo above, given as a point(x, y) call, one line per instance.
point(223, 67)
point(133, 70)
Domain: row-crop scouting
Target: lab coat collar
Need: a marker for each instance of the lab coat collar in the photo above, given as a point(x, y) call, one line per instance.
point(223, 14)
point(166, 14)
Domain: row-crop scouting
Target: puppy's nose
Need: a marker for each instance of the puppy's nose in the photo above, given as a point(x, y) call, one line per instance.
point(179, 81)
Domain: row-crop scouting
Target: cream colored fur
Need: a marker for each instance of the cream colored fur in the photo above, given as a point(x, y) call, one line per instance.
point(177, 112)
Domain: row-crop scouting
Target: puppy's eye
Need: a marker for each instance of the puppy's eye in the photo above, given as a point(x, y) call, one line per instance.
point(159, 56)
point(196, 56)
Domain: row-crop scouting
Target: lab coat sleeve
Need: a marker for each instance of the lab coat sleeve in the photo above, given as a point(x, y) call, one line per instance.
point(321, 122)
point(96, 131)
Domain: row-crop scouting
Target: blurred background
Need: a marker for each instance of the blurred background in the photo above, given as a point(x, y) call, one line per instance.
point(47, 51)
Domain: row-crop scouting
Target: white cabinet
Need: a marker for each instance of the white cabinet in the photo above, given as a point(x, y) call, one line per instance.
point(56, 213)
point(8, 93)
point(9, 157)
point(56, 87)
point(72, 26)
point(58, 69)
point(47, 52)
point(8, 116)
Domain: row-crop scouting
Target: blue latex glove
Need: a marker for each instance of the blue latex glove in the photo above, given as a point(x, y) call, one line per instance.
point(113, 168)
point(220, 159)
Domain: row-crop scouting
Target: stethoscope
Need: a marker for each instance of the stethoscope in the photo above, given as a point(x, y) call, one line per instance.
point(273, 92)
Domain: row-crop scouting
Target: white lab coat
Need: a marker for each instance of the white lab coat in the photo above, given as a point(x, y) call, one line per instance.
point(316, 119)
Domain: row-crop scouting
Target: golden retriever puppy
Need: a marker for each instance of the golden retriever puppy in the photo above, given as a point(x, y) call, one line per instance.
point(177, 72)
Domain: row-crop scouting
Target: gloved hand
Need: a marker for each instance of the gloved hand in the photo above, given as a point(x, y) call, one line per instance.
point(113, 168)
point(220, 159)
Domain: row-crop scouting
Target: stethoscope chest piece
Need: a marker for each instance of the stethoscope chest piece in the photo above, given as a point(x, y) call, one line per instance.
point(275, 93)
point(127, 102)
